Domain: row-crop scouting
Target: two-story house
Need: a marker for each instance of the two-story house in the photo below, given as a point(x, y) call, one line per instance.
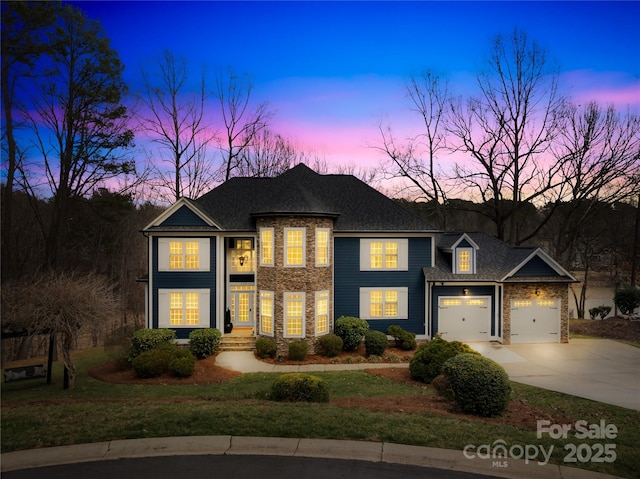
point(285, 257)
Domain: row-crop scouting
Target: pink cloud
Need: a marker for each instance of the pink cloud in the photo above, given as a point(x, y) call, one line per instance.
point(617, 88)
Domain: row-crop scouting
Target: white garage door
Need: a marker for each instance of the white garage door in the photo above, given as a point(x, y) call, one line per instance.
point(535, 320)
point(464, 319)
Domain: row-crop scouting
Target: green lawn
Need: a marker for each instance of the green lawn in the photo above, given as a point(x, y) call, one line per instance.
point(38, 415)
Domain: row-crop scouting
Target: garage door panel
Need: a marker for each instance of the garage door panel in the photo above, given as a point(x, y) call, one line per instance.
point(464, 319)
point(535, 321)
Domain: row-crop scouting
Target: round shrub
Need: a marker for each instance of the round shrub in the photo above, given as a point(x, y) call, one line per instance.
point(441, 384)
point(204, 342)
point(299, 387)
point(375, 342)
point(404, 339)
point(153, 363)
point(427, 361)
point(330, 345)
point(480, 386)
point(627, 298)
point(266, 348)
point(351, 330)
point(146, 339)
point(298, 350)
point(183, 365)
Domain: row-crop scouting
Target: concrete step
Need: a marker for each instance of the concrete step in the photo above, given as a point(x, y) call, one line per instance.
point(238, 343)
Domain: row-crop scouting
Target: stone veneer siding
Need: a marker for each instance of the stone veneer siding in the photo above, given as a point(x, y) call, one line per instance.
point(280, 279)
point(527, 291)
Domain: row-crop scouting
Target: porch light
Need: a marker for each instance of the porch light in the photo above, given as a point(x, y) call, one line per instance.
point(537, 292)
point(465, 291)
point(242, 259)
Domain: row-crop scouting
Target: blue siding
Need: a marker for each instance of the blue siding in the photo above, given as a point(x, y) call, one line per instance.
point(536, 267)
point(184, 280)
point(348, 279)
point(439, 291)
point(184, 217)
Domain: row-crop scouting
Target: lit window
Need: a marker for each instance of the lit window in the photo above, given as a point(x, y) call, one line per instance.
point(294, 246)
point(464, 260)
point(322, 312)
point(266, 312)
point(518, 303)
point(294, 315)
point(322, 247)
point(183, 253)
point(384, 303)
point(451, 302)
point(381, 254)
point(266, 246)
point(184, 309)
point(242, 256)
point(545, 302)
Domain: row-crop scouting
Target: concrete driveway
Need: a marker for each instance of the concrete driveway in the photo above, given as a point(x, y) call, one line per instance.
point(599, 369)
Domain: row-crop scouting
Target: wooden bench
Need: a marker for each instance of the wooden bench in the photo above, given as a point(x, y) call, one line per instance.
point(23, 373)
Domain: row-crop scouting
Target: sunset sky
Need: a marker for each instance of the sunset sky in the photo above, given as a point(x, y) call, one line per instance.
point(333, 71)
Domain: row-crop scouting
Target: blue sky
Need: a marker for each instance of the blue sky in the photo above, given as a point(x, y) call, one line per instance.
point(333, 71)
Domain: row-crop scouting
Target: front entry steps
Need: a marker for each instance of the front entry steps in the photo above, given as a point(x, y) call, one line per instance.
point(238, 341)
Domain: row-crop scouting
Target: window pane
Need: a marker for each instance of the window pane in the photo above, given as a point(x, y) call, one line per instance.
point(175, 308)
point(295, 248)
point(376, 254)
point(322, 247)
point(175, 247)
point(376, 310)
point(266, 312)
point(464, 261)
point(391, 255)
point(266, 243)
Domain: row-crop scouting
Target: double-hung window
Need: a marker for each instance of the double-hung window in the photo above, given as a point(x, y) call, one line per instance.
point(322, 312)
point(294, 247)
point(266, 312)
point(322, 247)
point(266, 246)
point(183, 308)
point(464, 261)
point(384, 303)
point(183, 254)
point(389, 254)
point(294, 317)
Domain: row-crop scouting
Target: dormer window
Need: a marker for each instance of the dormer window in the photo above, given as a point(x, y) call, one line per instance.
point(465, 261)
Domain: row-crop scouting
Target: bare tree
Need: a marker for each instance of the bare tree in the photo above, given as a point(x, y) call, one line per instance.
point(268, 154)
point(174, 120)
point(78, 121)
point(242, 122)
point(63, 303)
point(507, 131)
point(415, 159)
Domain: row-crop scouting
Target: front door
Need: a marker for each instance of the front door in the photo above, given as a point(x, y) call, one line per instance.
point(242, 307)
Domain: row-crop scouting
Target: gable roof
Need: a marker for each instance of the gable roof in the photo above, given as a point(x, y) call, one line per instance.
point(182, 215)
point(496, 261)
point(356, 206)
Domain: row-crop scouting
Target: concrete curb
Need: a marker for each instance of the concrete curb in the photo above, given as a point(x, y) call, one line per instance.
point(260, 446)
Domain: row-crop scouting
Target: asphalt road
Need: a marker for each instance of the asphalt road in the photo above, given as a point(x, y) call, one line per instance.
point(236, 467)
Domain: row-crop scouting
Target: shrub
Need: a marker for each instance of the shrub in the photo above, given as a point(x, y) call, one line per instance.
point(147, 339)
point(266, 348)
point(153, 363)
point(375, 342)
point(479, 385)
point(627, 298)
point(441, 384)
point(298, 350)
point(599, 311)
point(330, 345)
point(204, 342)
point(404, 339)
point(427, 362)
point(299, 387)
point(351, 330)
point(183, 365)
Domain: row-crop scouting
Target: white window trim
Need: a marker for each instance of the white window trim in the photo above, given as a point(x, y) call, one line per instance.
point(365, 254)
point(326, 230)
point(472, 260)
point(317, 297)
point(304, 248)
point(204, 307)
point(262, 263)
point(204, 254)
point(273, 309)
point(403, 303)
point(286, 295)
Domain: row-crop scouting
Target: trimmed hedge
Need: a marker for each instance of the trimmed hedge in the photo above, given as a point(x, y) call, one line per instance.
point(427, 361)
point(479, 385)
point(183, 364)
point(298, 350)
point(351, 330)
point(147, 339)
point(153, 363)
point(330, 345)
point(204, 342)
point(375, 342)
point(296, 387)
point(266, 348)
point(404, 339)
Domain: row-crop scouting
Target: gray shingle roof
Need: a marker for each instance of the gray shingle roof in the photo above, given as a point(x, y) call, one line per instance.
point(494, 260)
point(301, 191)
